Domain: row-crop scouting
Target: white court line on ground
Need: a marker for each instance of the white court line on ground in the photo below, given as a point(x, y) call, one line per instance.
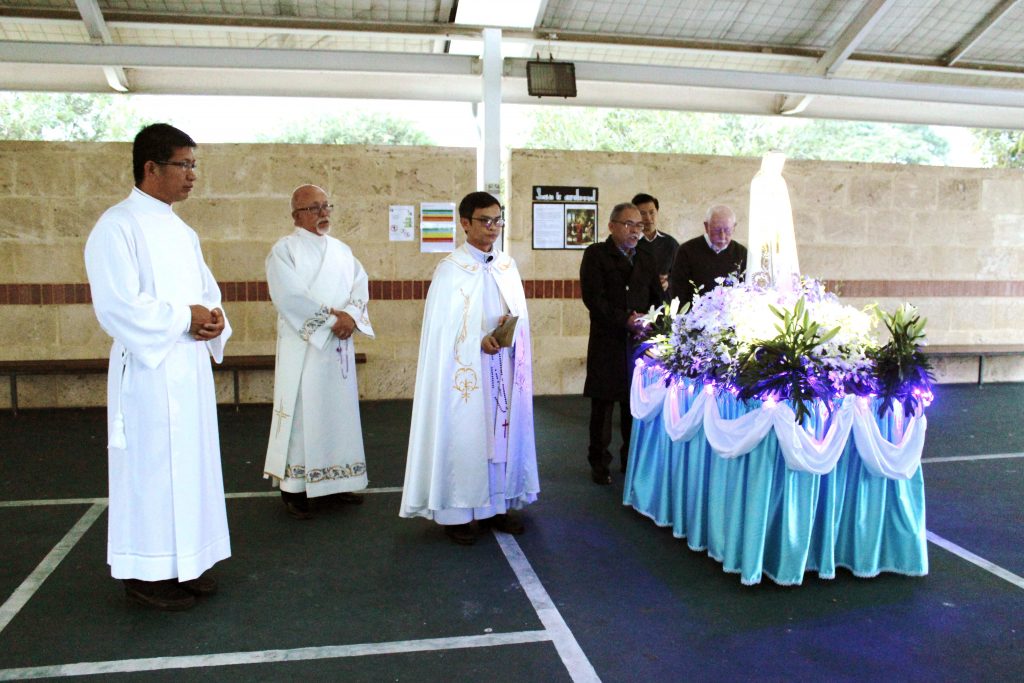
point(52, 501)
point(95, 501)
point(268, 656)
point(30, 585)
point(975, 559)
point(966, 458)
point(576, 662)
point(275, 492)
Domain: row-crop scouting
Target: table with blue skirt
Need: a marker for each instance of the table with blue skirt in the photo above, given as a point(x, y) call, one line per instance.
point(766, 496)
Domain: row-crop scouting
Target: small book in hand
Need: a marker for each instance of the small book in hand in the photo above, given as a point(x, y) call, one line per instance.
point(505, 333)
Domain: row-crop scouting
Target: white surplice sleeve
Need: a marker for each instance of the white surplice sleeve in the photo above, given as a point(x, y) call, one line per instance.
point(310, 318)
point(148, 328)
point(212, 300)
point(356, 306)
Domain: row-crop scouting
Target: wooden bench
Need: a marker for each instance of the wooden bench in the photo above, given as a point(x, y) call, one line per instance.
point(91, 366)
point(979, 351)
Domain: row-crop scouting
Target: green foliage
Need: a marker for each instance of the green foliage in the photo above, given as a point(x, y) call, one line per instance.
point(903, 372)
point(630, 130)
point(784, 367)
point(352, 129)
point(66, 116)
point(1001, 148)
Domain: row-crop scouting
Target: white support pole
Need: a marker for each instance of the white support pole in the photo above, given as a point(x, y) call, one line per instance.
point(489, 150)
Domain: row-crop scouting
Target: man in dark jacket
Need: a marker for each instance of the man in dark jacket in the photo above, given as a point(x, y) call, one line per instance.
point(619, 285)
point(712, 255)
point(662, 246)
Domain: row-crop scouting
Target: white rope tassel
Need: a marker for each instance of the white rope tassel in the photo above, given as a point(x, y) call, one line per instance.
point(117, 437)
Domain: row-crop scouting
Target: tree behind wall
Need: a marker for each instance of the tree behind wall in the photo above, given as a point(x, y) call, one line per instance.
point(1001, 148)
point(352, 129)
point(66, 116)
point(622, 130)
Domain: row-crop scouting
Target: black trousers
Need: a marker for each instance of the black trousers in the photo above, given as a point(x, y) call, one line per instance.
point(601, 431)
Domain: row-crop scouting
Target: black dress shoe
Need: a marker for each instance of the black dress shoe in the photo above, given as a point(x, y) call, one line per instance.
point(461, 534)
point(298, 510)
point(600, 476)
point(162, 595)
point(506, 523)
point(201, 585)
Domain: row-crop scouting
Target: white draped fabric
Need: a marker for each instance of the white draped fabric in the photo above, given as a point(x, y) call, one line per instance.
point(686, 409)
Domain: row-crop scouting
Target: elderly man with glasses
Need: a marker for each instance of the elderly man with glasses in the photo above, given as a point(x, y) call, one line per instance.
point(620, 283)
point(702, 260)
point(320, 291)
point(472, 458)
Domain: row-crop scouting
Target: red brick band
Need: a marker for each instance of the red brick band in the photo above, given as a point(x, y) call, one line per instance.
point(414, 290)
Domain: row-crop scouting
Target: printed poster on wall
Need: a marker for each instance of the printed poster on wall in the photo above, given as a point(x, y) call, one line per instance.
point(437, 226)
point(564, 217)
point(401, 223)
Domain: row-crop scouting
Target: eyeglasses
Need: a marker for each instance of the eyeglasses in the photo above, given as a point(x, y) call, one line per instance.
point(184, 165)
point(315, 209)
point(497, 221)
point(630, 225)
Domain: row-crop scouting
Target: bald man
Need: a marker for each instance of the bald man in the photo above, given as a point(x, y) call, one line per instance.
point(320, 292)
point(714, 254)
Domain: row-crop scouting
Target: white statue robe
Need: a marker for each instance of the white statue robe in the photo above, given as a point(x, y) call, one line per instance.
point(167, 516)
point(471, 443)
point(771, 243)
point(316, 440)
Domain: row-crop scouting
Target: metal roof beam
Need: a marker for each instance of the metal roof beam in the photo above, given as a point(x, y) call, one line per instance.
point(849, 39)
point(461, 65)
point(968, 41)
point(92, 16)
point(791, 83)
point(236, 58)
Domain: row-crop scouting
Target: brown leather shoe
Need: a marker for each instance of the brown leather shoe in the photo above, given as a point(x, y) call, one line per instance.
point(201, 585)
point(507, 523)
point(462, 534)
point(161, 595)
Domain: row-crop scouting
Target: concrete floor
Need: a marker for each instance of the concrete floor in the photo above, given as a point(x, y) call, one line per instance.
point(592, 590)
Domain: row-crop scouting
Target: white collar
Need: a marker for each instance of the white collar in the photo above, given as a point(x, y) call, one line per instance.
point(149, 202)
point(713, 248)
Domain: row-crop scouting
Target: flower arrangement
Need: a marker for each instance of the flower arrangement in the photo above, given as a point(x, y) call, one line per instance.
point(802, 346)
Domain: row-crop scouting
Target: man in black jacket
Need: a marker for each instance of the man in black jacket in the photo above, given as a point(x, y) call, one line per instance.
point(619, 285)
point(712, 255)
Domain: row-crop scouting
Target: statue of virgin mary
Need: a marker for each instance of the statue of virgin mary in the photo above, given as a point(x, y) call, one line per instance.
point(771, 256)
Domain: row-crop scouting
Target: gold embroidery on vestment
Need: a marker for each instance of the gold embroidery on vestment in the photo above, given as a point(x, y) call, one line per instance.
point(282, 416)
point(465, 379)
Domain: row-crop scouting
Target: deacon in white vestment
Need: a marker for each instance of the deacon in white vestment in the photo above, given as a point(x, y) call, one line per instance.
point(320, 291)
point(471, 444)
point(153, 293)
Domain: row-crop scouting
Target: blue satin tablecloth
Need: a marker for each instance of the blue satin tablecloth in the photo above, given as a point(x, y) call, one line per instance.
point(759, 518)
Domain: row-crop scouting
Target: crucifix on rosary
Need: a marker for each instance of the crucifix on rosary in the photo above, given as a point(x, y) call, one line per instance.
point(499, 392)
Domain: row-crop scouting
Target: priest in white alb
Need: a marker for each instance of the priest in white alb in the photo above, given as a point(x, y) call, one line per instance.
point(320, 292)
point(472, 457)
point(153, 293)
